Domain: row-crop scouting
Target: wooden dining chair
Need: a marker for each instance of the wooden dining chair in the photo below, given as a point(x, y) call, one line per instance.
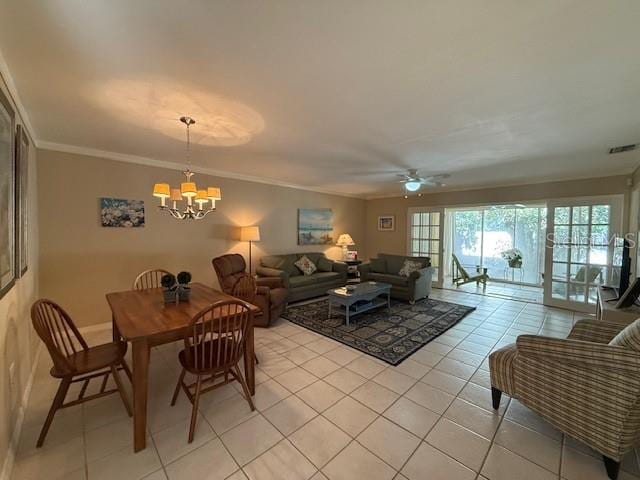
point(149, 279)
point(74, 361)
point(213, 345)
point(246, 288)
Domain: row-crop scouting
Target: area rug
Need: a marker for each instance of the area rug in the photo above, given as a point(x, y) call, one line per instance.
point(391, 337)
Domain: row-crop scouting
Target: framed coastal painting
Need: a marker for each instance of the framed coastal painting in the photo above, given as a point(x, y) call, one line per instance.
point(118, 212)
point(22, 205)
point(387, 223)
point(7, 197)
point(315, 226)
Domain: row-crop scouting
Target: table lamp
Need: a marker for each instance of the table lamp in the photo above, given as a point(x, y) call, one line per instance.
point(250, 234)
point(345, 241)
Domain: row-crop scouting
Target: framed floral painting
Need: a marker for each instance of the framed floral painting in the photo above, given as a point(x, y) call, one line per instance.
point(7, 197)
point(119, 212)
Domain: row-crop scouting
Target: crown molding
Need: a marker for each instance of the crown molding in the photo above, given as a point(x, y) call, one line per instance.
point(152, 162)
point(5, 73)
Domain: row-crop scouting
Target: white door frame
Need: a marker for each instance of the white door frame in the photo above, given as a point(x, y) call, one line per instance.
point(616, 222)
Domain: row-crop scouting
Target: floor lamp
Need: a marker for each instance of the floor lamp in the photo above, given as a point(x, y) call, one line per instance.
point(250, 234)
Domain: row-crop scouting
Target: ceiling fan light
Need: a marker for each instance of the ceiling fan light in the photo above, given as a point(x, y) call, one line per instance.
point(412, 186)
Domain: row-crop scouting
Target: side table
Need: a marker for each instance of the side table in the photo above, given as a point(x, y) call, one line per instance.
point(353, 275)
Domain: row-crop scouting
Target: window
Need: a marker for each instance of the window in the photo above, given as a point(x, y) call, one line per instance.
point(581, 251)
point(424, 237)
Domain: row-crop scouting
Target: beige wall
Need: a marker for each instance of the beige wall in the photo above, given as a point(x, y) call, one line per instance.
point(634, 214)
point(396, 241)
point(18, 342)
point(82, 261)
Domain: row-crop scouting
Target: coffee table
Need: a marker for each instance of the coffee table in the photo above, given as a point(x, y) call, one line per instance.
point(368, 292)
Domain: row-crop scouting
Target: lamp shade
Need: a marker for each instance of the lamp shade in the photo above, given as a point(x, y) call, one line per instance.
point(161, 190)
point(344, 240)
point(250, 234)
point(201, 197)
point(188, 189)
point(176, 196)
point(214, 193)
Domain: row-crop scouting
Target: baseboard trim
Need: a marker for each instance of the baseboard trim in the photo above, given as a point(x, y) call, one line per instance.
point(95, 328)
point(7, 466)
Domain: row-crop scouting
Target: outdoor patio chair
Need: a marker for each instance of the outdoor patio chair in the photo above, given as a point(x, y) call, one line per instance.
point(461, 276)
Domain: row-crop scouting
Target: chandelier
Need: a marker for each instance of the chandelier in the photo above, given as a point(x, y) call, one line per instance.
point(188, 190)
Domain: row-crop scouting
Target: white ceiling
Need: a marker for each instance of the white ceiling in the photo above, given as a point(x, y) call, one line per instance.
point(337, 95)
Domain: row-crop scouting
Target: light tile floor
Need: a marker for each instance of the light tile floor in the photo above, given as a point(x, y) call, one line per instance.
point(325, 411)
point(511, 291)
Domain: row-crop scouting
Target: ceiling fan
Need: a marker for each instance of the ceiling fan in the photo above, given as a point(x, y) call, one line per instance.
point(412, 181)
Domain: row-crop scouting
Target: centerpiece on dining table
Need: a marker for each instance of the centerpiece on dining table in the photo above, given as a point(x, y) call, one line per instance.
point(176, 288)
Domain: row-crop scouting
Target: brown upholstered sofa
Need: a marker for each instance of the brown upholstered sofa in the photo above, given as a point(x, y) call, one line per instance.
point(330, 274)
point(271, 294)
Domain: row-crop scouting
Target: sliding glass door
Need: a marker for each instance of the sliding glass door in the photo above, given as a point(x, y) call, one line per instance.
point(486, 236)
point(424, 237)
point(584, 238)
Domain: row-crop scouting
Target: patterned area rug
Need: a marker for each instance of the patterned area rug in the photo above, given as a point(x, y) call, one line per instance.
point(389, 337)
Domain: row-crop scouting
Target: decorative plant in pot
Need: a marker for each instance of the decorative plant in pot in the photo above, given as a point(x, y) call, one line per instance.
point(513, 256)
point(176, 289)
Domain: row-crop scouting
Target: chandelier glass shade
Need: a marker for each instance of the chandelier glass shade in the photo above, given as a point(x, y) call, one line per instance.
point(199, 202)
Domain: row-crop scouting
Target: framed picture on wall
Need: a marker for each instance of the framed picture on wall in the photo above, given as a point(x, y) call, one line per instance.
point(22, 206)
point(387, 223)
point(122, 213)
point(315, 226)
point(7, 197)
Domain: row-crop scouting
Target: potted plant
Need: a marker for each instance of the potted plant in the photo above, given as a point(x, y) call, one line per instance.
point(176, 288)
point(168, 282)
point(513, 256)
point(184, 290)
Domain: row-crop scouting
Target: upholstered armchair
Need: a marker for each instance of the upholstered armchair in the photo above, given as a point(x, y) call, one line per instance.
point(269, 293)
point(587, 385)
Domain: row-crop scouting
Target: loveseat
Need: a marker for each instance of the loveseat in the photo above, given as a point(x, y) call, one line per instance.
point(386, 268)
point(329, 274)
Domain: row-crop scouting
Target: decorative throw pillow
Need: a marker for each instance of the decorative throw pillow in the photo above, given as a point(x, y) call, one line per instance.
point(408, 267)
point(629, 337)
point(378, 265)
point(325, 265)
point(305, 265)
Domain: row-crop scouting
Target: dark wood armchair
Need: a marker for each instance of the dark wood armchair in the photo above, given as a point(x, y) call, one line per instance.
point(74, 361)
point(269, 294)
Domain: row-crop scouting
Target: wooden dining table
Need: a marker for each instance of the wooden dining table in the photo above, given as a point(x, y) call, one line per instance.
point(142, 318)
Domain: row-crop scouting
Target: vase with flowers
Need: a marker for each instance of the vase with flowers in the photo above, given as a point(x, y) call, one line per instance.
point(176, 288)
point(513, 256)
